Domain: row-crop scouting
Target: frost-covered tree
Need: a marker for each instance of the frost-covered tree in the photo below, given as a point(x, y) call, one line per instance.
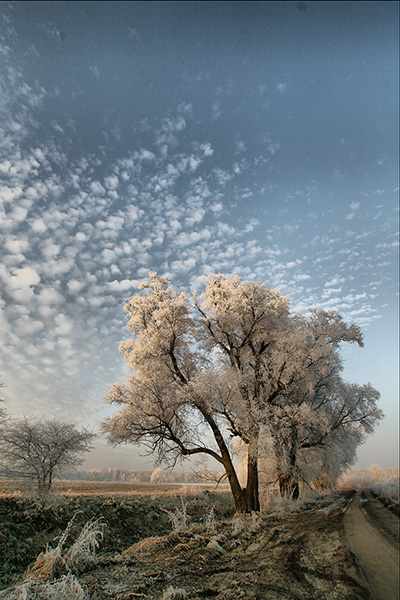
point(317, 440)
point(38, 450)
point(321, 419)
point(156, 476)
point(230, 363)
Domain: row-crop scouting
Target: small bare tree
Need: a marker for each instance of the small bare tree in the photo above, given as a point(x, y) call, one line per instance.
point(38, 450)
point(2, 409)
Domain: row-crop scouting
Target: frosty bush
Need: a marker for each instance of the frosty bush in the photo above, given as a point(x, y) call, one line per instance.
point(65, 588)
point(54, 561)
point(382, 481)
point(210, 523)
point(172, 593)
point(273, 502)
point(179, 519)
point(81, 553)
point(53, 576)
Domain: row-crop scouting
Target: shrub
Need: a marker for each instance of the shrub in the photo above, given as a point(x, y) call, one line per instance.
point(172, 593)
point(65, 588)
point(180, 518)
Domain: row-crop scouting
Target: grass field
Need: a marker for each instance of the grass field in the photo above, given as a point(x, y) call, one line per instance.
point(173, 542)
point(130, 512)
point(113, 488)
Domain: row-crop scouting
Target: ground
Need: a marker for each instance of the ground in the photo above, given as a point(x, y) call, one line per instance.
point(307, 552)
point(301, 555)
point(372, 532)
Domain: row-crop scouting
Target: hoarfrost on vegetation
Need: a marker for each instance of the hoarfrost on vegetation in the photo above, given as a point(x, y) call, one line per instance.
point(234, 363)
point(65, 588)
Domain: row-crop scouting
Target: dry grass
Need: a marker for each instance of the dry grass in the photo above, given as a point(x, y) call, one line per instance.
point(147, 546)
point(55, 561)
point(53, 576)
point(65, 588)
point(15, 489)
point(172, 593)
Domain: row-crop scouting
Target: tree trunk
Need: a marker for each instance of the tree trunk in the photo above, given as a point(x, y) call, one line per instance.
point(252, 487)
point(288, 484)
point(286, 462)
point(239, 495)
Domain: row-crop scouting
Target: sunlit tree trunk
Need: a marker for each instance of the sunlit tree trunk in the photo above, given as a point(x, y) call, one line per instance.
point(252, 486)
point(287, 465)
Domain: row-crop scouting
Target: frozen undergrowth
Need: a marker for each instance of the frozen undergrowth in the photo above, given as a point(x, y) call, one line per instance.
point(179, 519)
point(172, 593)
point(53, 576)
point(65, 588)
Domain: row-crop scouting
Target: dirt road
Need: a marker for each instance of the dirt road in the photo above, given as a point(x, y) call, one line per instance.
point(372, 533)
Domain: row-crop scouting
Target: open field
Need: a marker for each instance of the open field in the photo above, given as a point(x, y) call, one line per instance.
point(114, 488)
point(171, 542)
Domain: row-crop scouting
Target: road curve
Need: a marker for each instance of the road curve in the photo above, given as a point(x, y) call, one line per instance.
point(371, 535)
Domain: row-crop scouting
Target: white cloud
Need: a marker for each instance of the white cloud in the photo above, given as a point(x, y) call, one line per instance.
point(23, 278)
point(74, 286)
point(196, 217)
point(111, 182)
point(183, 266)
point(63, 325)
point(97, 188)
point(108, 256)
point(207, 149)
point(240, 147)
point(125, 284)
point(27, 326)
point(216, 110)
point(15, 246)
point(19, 214)
point(144, 154)
point(216, 207)
point(95, 70)
point(49, 296)
point(223, 176)
point(334, 282)
point(51, 251)
point(301, 277)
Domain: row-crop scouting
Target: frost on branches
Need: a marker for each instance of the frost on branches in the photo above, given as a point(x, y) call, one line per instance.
point(39, 450)
point(233, 364)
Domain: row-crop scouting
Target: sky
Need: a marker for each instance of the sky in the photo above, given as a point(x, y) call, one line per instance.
point(186, 138)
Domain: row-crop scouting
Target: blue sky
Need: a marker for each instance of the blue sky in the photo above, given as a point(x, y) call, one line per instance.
point(257, 138)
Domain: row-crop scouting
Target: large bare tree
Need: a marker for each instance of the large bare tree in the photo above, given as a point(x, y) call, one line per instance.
point(223, 365)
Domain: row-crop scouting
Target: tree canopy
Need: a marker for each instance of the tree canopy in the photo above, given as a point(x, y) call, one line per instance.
point(233, 363)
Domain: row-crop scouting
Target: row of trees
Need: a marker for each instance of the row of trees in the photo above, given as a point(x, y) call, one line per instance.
point(232, 367)
point(157, 475)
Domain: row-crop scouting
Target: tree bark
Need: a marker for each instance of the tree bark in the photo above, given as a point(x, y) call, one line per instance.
point(288, 484)
point(252, 487)
point(239, 495)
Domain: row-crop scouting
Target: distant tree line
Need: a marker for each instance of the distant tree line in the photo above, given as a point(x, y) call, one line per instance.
point(155, 476)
